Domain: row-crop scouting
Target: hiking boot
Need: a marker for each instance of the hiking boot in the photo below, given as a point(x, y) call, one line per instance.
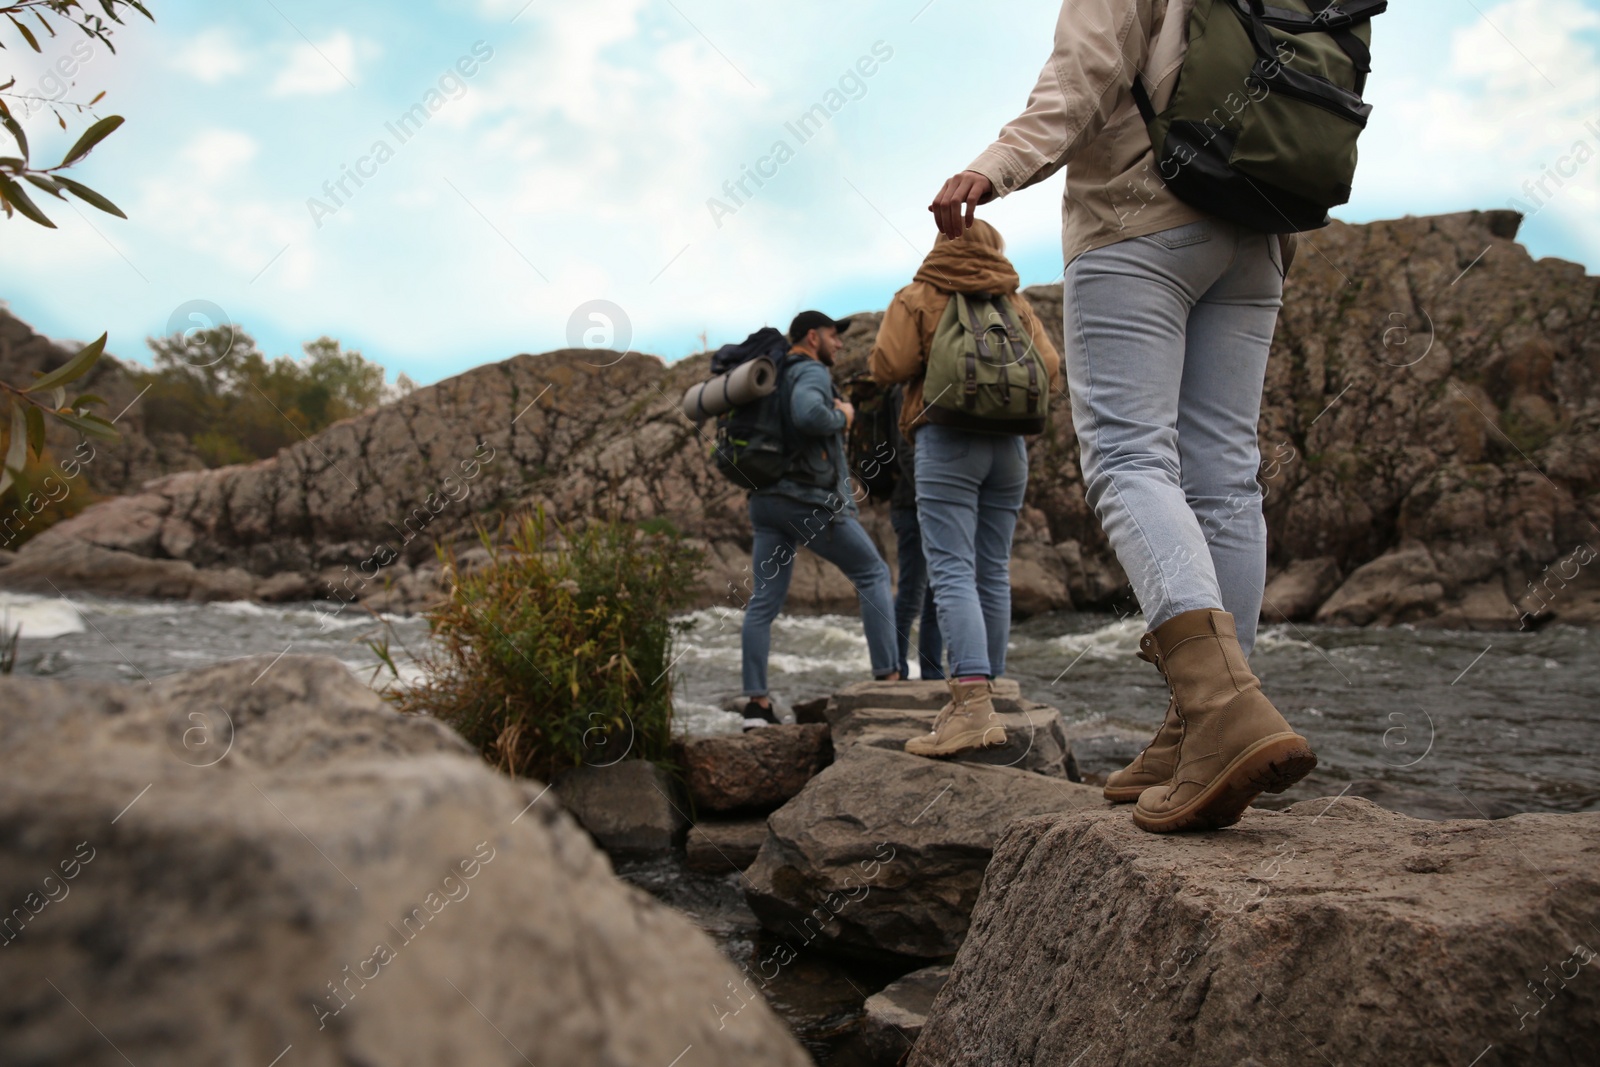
point(1233, 745)
point(1153, 765)
point(757, 716)
point(967, 722)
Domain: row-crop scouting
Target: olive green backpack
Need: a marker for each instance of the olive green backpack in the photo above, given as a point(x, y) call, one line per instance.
point(1262, 125)
point(984, 373)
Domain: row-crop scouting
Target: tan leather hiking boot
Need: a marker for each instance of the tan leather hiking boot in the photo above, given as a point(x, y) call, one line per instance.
point(1154, 765)
point(1233, 746)
point(967, 722)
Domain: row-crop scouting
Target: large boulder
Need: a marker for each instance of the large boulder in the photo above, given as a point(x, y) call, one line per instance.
point(882, 854)
point(230, 862)
point(630, 807)
point(757, 770)
point(1333, 932)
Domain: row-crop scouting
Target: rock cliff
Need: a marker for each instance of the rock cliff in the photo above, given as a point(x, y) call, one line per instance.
point(1429, 443)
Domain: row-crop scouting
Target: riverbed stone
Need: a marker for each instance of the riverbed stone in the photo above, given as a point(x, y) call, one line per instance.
point(883, 852)
point(53, 564)
point(1036, 738)
point(756, 770)
point(1295, 593)
point(893, 1017)
point(1326, 933)
point(911, 696)
point(629, 808)
point(229, 863)
point(719, 846)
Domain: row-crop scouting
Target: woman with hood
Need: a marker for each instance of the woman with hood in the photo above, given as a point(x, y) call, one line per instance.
point(969, 484)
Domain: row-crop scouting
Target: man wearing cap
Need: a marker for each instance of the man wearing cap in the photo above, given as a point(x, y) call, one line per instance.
point(811, 506)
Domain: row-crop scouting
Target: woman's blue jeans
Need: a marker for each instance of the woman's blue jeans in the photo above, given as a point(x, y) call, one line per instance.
point(969, 494)
point(782, 526)
point(1166, 343)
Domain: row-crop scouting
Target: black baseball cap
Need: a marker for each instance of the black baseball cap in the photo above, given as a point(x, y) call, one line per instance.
point(807, 321)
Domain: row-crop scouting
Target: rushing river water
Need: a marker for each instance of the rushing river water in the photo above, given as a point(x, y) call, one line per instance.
point(1503, 721)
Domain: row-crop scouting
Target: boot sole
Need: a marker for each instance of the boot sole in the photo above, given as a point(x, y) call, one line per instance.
point(968, 742)
point(1271, 765)
point(1126, 794)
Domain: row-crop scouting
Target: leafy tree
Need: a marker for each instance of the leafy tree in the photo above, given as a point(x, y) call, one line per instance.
point(217, 389)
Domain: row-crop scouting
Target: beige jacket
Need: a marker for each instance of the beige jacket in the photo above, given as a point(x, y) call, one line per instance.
point(973, 263)
point(1081, 116)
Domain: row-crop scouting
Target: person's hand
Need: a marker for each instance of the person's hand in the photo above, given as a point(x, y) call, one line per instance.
point(967, 189)
point(848, 409)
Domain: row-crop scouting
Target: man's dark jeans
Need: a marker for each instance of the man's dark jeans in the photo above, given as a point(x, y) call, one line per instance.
point(914, 595)
point(782, 526)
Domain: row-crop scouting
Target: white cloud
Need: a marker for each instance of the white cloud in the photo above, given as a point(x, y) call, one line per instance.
point(215, 154)
point(211, 56)
point(1518, 89)
point(324, 66)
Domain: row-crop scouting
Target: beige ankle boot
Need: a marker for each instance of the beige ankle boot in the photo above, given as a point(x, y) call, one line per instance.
point(1154, 765)
point(1234, 745)
point(967, 722)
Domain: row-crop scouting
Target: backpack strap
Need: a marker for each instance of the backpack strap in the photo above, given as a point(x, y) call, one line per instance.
point(1016, 340)
point(980, 348)
point(1336, 23)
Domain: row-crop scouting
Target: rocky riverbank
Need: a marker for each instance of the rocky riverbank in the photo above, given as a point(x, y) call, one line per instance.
point(232, 861)
point(1430, 440)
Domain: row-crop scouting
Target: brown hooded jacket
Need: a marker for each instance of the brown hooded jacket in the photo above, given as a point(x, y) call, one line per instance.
point(972, 263)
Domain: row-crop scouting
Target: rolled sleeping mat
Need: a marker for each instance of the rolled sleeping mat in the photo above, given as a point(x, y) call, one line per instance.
point(748, 381)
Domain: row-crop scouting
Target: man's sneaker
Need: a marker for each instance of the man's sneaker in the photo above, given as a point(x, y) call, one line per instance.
point(758, 715)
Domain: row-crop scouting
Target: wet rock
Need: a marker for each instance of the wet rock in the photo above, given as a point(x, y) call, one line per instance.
point(804, 710)
point(886, 714)
point(51, 563)
point(883, 852)
point(227, 863)
point(915, 696)
point(755, 770)
point(629, 808)
point(1296, 593)
point(1343, 934)
point(894, 1017)
point(1036, 739)
point(718, 847)
point(1400, 587)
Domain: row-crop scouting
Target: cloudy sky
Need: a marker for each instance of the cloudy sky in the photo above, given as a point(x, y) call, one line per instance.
point(561, 154)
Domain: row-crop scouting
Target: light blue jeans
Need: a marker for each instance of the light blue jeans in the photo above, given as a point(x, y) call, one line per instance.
point(782, 526)
point(1166, 343)
point(969, 494)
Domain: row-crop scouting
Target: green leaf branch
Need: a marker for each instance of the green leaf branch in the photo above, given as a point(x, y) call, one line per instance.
point(46, 398)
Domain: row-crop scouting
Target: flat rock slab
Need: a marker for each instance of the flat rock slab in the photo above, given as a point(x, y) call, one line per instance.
point(1036, 738)
point(893, 1018)
point(233, 861)
point(722, 847)
point(629, 808)
point(1333, 933)
point(882, 854)
point(909, 695)
point(757, 770)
